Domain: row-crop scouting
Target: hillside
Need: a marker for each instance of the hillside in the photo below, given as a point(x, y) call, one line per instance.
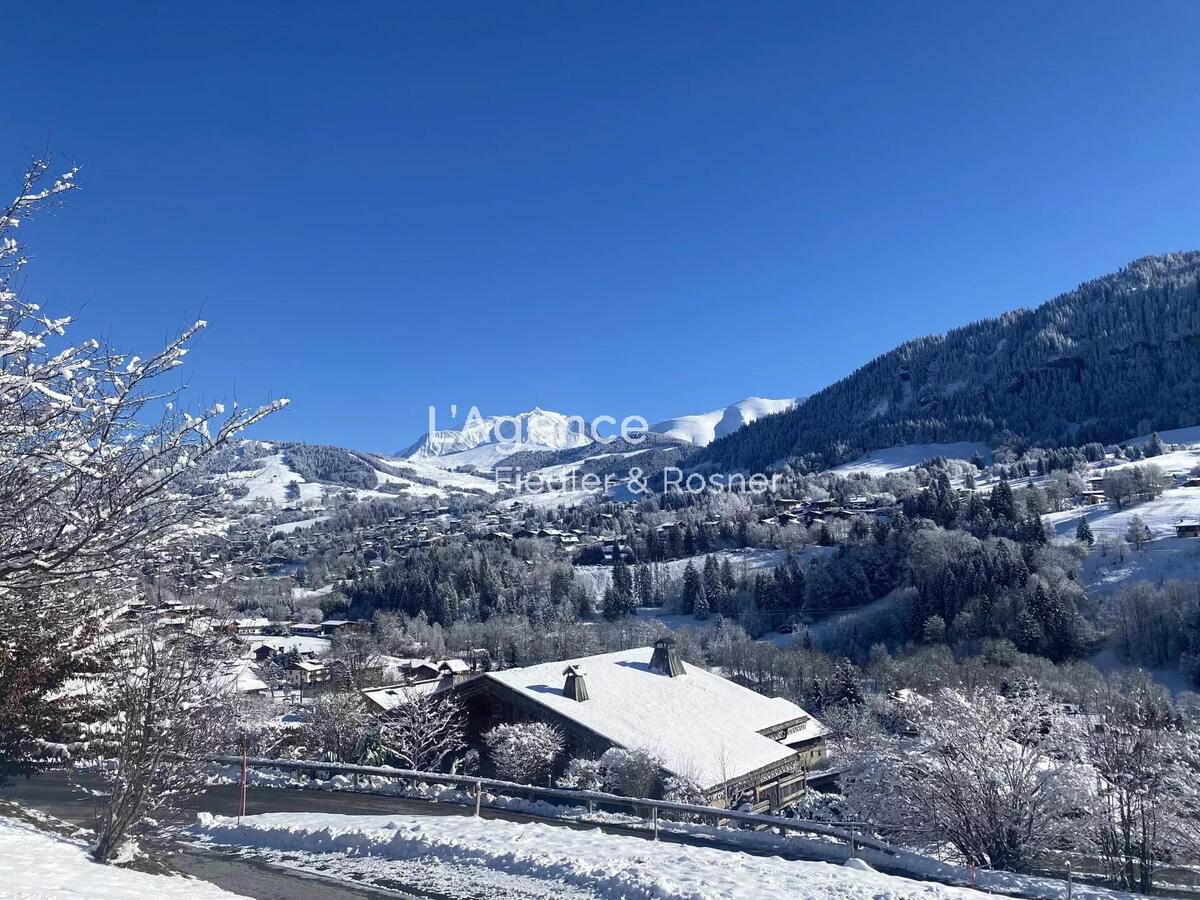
point(1119, 355)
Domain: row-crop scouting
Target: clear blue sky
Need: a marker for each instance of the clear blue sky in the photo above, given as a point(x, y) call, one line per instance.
point(616, 208)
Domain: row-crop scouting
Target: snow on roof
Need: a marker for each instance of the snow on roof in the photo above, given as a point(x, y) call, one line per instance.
point(308, 665)
point(392, 695)
point(703, 726)
point(240, 677)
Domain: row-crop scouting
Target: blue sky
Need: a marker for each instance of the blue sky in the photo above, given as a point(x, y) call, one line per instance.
point(651, 208)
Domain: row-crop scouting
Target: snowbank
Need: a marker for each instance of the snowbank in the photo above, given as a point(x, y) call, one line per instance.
point(462, 851)
point(36, 864)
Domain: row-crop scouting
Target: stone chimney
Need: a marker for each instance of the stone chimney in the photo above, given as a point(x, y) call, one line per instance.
point(665, 659)
point(575, 687)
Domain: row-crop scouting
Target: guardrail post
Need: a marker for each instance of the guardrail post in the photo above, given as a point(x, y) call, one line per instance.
point(478, 796)
point(654, 819)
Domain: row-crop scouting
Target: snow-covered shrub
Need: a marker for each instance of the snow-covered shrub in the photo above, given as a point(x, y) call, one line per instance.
point(678, 789)
point(524, 752)
point(583, 775)
point(631, 773)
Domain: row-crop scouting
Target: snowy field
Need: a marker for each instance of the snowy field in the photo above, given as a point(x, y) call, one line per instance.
point(299, 524)
point(466, 857)
point(1165, 557)
point(896, 459)
point(270, 482)
point(36, 864)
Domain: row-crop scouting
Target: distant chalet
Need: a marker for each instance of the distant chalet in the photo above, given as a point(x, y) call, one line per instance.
point(735, 743)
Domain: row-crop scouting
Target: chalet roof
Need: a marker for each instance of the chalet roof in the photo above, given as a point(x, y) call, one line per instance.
point(389, 696)
point(307, 665)
point(702, 725)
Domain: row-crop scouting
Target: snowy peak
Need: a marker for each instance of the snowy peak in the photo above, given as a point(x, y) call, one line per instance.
point(482, 441)
point(704, 428)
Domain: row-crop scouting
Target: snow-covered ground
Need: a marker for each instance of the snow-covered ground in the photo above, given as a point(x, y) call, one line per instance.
point(895, 459)
point(299, 524)
point(37, 864)
point(1159, 514)
point(1189, 435)
point(466, 857)
point(1165, 557)
point(271, 481)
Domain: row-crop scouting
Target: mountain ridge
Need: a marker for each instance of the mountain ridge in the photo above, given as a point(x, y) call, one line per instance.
point(1117, 355)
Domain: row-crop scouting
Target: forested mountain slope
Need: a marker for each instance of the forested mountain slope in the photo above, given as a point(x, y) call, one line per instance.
point(1117, 356)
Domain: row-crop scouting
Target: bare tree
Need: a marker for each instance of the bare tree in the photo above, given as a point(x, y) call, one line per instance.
point(355, 659)
point(1145, 787)
point(422, 731)
point(334, 725)
point(984, 775)
point(165, 708)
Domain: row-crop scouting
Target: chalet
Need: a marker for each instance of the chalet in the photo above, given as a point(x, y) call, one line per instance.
point(1093, 498)
point(422, 677)
point(303, 629)
point(387, 697)
point(334, 626)
point(739, 745)
point(243, 626)
point(1190, 528)
point(307, 671)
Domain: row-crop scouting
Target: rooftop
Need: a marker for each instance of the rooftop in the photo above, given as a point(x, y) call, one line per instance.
point(701, 725)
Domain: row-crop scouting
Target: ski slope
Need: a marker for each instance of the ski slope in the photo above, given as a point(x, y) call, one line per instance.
point(897, 459)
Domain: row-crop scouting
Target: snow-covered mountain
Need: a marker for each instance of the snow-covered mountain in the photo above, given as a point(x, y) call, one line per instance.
point(483, 441)
point(704, 428)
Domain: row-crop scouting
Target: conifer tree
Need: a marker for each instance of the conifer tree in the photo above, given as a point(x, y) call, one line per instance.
point(1083, 532)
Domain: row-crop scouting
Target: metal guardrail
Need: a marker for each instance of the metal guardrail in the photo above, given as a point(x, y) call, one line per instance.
point(854, 839)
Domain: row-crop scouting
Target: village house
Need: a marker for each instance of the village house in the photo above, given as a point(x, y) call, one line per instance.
point(303, 672)
point(333, 626)
point(1188, 528)
point(304, 629)
point(738, 745)
point(420, 676)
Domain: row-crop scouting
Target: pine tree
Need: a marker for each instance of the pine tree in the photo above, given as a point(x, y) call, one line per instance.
point(1083, 532)
point(1002, 504)
point(693, 588)
point(645, 585)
